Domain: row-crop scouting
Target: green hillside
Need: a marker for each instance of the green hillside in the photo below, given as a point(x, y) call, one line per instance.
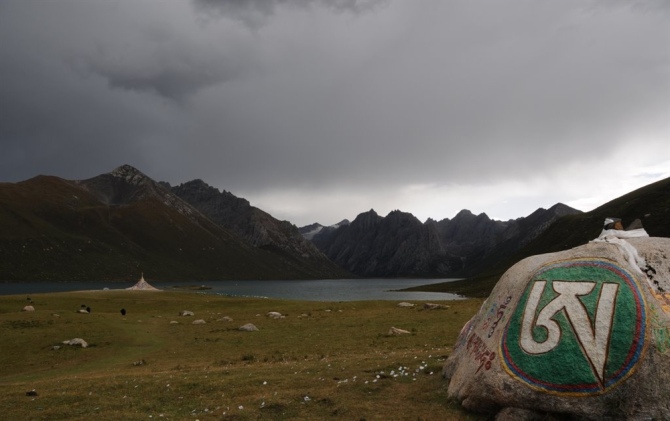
point(53, 229)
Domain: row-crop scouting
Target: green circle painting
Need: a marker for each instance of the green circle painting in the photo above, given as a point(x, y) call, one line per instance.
point(579, 328)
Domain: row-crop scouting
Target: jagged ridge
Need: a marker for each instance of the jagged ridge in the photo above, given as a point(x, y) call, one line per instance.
point(400, 245)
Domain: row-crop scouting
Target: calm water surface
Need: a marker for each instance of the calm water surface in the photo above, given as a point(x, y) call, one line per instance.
point(316, 290)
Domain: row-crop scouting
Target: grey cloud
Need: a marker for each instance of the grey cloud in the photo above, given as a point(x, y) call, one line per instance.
point(255, 13)
point(175, 78)
point(360, 96)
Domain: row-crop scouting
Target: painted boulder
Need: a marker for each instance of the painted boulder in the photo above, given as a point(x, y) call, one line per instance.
point(583, 332)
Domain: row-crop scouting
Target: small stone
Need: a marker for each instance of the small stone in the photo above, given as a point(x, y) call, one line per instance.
point(396, 331)
point(76, 342)
point(249, 327)
point(432, 306)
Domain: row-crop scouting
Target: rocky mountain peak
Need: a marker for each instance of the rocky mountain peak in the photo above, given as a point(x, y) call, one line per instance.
point(198, 184)
point(466, 216)
point(561, 209)
point(465, 213)
point(214, 201)
point(366, 220)
point(130, 174)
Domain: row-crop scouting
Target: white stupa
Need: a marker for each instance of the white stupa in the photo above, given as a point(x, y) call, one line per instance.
point(142, 285)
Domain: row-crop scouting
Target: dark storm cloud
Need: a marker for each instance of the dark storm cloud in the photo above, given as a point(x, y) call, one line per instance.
point(256, 12)
point(475, 90)
point(318, 97)
point(169, 77)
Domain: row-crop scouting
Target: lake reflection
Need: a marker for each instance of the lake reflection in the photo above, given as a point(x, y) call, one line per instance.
point(313, 290)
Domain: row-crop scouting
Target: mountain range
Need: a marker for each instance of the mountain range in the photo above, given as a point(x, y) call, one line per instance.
point(119, 224)
point(401, 245)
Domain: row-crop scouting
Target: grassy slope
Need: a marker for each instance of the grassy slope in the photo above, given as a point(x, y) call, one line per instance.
point(50, 229)
point(321, 365)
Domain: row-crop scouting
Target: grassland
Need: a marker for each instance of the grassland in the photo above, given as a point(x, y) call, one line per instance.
point(322, 360)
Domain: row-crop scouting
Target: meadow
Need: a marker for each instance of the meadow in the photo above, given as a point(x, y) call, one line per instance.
point(322, 360)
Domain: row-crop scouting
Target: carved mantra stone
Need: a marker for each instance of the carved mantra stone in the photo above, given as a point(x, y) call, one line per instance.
point(579, 332)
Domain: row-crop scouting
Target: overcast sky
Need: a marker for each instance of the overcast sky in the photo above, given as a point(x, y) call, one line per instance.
point(319, 110)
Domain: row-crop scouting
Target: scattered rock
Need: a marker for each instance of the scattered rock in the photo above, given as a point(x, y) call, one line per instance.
point(186, 313)
point(83, 311)
point(225, 319)
point(275, 315)
point(249, 327)
point(396, 331)
point(199, 322)
point(28, 308)
point(140, 362)
point(407, 305)
point(431, 306)
point(76, 342)
point(55, 347)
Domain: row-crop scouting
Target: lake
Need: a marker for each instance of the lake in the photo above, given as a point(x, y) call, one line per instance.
point(312, 290)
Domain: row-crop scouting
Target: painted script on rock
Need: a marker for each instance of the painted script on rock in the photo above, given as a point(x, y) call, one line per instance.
point(578, 329)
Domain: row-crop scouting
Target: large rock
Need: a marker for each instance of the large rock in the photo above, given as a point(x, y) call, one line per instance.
point(583, 333)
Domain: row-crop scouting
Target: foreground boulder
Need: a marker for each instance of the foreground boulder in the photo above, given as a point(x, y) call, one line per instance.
point(581, 333)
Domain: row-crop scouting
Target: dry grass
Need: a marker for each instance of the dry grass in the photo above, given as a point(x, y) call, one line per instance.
point(322, 361)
